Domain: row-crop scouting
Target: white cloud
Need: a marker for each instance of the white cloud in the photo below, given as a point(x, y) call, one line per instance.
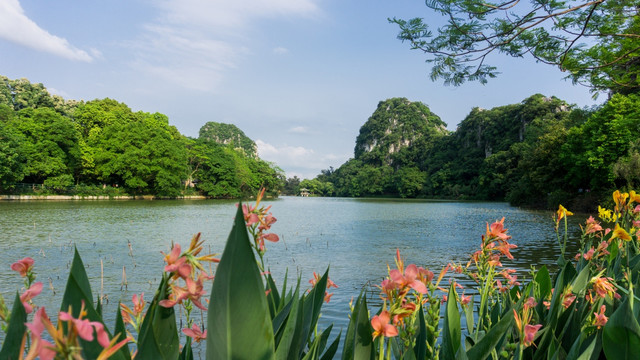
point(298, 160)
point(280, 50)
point(192, 43)
point(299, 130)
point(16, 27)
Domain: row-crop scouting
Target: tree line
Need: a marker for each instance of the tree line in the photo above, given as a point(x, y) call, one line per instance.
point(102, 143)
point(538, 153)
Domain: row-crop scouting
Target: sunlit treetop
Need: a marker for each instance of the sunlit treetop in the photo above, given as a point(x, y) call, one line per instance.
point(597, 43)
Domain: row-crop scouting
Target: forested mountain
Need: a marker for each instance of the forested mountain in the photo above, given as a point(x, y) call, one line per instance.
point(539, 152)
point(99, 144)
point(228, 134)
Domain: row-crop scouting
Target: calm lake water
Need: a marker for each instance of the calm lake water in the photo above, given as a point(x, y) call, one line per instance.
point(357, 238)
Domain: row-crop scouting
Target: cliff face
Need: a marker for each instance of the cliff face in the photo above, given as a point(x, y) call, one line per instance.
point(229, 134)
point(395, 125)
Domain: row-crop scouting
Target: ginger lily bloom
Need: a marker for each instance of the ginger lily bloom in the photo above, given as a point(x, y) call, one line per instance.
point(23, 267)
point(600, 319)
point(382, 327)
point(195, 333)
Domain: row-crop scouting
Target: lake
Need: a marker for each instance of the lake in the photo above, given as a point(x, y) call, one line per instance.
point(357, 238)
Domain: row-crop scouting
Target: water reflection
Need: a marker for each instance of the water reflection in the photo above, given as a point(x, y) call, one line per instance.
point(356, 238)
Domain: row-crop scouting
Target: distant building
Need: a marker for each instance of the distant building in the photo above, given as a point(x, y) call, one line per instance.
point(304, 192)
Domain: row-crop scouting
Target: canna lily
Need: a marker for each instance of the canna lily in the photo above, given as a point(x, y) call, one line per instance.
point(592, 226)
point(23, 266)
point(603, 286)
point(408, 278)
point(600, 319)
point(620, 199)
point(497, 230)
point(530, 334)
point(29, 294)
point(620, 233)
point(382, 327)
point(562, 212)
point(177, 263)
point(195, 333)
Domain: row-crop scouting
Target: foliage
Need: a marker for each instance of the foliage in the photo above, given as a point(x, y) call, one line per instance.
point(228, 134)
point(102, 143)
point(595, 42)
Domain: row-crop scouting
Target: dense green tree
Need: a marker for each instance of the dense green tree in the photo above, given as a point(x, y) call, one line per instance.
point(596, 42)
point(51, 143)
point(140, 157)
point(21, 94)
point(12, 158)
point(292, 186)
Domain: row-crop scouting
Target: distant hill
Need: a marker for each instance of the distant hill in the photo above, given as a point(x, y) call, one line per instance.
point(228, 134)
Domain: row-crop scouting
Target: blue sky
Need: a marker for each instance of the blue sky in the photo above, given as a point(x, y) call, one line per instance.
point(299, 77)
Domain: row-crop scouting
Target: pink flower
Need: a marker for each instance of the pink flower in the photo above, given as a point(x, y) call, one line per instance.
point(30, 293)
point(42, 348)
point(530, 333)
point(23, 266)
point(382, 327)
point(408, 279)
point(603, 286)
point(465, 299)
point(177, 263)
point(505, 248)
point(600, 320)
point(497, 230)
point(592, 226)
point(589, 254)
point(195, 333)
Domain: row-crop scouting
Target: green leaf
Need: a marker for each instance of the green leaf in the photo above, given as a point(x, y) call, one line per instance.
point(543, 280)
point(15, 331)
point(288, 333)
point(420, 350)
point(238, 320)
point(187, 352)
point(121, 331)
point(451, 334)
point(332, 349)
point(358, 343)
point(76, 293)
point(468, 315)
point(621, 334)
point(158, 338)
point(581, 281)
point(483, 348)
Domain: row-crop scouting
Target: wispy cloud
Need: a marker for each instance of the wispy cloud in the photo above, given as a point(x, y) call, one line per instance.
point(299, 130)
point(280, 50)
point(298, 160)
point(194, 42)
point(16, 27)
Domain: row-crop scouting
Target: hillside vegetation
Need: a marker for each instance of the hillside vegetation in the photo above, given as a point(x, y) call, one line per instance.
point(102, 146)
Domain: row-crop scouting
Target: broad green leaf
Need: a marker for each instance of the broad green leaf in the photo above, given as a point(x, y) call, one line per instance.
point(468, 315)
point(78, 293)
point(121, 332)
point(288, 333)
point(543, 280)
point(238, 320)
point(358, 343)
point(15, 331)
point(621, 334)
point(332, 349)
point(581, 281)
point(583, 347)
point(485, 346)
point(187, 352)
point(158, 338)
point(451, 333)
point(420, 350)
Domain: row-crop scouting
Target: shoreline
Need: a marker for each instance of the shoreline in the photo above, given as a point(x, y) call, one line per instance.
point(97, 197)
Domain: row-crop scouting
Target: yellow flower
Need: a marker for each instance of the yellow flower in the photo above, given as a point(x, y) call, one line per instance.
point(562, 212)
point(633, 197)
point(620, 233)
point(620, 199)
point(605, 214)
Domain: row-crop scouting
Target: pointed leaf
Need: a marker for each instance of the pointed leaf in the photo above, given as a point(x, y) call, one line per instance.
point(158, 338)
point(238, 320)
point(288, 333)
point(187, 352)
point(451, 334)
point(483, 348)
point(15, 331)
point(621, 334)
point(358, 343)
point(121, 331)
